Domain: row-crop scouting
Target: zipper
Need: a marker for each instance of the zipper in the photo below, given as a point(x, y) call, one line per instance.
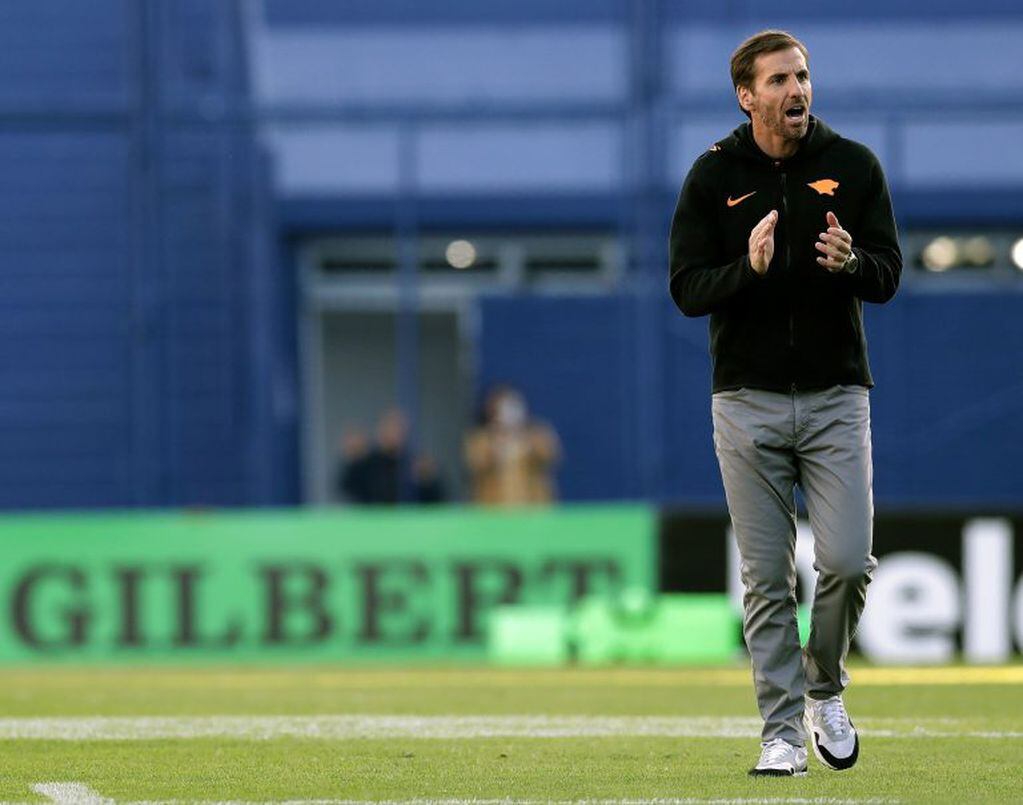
point(788, 259)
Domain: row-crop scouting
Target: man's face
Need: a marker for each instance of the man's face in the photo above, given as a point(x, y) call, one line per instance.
point(391, 431)
point(779, 101)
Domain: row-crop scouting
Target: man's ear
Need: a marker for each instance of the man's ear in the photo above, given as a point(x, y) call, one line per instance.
point(745, 98)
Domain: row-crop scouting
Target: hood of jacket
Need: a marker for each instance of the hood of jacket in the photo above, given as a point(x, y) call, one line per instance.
point(741, 143)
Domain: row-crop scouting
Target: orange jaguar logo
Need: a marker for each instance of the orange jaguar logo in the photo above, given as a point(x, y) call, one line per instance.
point(826, 187)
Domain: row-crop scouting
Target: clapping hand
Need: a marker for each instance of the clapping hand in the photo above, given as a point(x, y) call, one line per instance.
point(836, 244)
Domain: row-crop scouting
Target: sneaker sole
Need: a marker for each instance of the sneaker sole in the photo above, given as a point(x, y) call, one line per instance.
point(775, 773)
point(825, 757)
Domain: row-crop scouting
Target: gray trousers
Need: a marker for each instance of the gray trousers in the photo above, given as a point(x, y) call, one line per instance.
point(767, 443)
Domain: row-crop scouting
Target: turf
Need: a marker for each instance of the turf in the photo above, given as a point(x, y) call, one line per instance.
point(926, 767)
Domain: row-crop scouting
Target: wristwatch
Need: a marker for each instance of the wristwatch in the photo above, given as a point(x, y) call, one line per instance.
point(851, 263)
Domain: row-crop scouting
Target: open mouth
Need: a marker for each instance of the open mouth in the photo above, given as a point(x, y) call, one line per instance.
point(795, 112)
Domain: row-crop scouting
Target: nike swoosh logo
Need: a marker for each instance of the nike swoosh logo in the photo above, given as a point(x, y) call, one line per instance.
point(733, 201)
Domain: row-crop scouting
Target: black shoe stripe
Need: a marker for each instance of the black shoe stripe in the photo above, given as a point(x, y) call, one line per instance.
point(755, 772)
point(837, 762)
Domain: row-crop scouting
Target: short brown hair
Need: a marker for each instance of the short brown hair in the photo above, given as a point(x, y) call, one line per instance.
point(745, 56)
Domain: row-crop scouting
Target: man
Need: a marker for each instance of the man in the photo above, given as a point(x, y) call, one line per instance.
point(511, 456)
point(375, 474)
point(781, 231)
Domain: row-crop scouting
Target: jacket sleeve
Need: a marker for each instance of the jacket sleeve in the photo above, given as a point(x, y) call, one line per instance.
point(700, 279)
point(876, 245)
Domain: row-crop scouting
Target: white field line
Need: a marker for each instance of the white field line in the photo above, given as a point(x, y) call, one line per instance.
point(446, 727)
point(70, 794)
point(80, 794)
point(676, 801)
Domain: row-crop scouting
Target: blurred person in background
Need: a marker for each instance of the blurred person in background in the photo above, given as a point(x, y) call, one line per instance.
point(390, 461)
point(782, 230)
point(384, 473)
point(354, 477)
point(510, 457)
point(428, 481)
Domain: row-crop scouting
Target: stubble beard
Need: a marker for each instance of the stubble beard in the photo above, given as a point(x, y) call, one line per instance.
point(777, 124)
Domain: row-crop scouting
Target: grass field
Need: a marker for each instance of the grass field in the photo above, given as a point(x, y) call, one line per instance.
point(90, 736)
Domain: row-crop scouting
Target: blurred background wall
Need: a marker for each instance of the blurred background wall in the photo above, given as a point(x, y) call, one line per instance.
point(137, 257)
point(233, 229)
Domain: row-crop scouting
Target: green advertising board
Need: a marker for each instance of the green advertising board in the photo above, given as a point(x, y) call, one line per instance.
point(317, 585)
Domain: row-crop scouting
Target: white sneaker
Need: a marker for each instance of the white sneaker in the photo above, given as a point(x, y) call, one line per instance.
point(831, 733)
point(779, 758)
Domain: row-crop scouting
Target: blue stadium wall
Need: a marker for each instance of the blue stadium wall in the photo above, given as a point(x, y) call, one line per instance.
point(946, 424)
point(148, 240)
point(136, 268)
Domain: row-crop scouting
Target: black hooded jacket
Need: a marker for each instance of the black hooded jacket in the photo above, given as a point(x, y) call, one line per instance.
point(799, 326)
